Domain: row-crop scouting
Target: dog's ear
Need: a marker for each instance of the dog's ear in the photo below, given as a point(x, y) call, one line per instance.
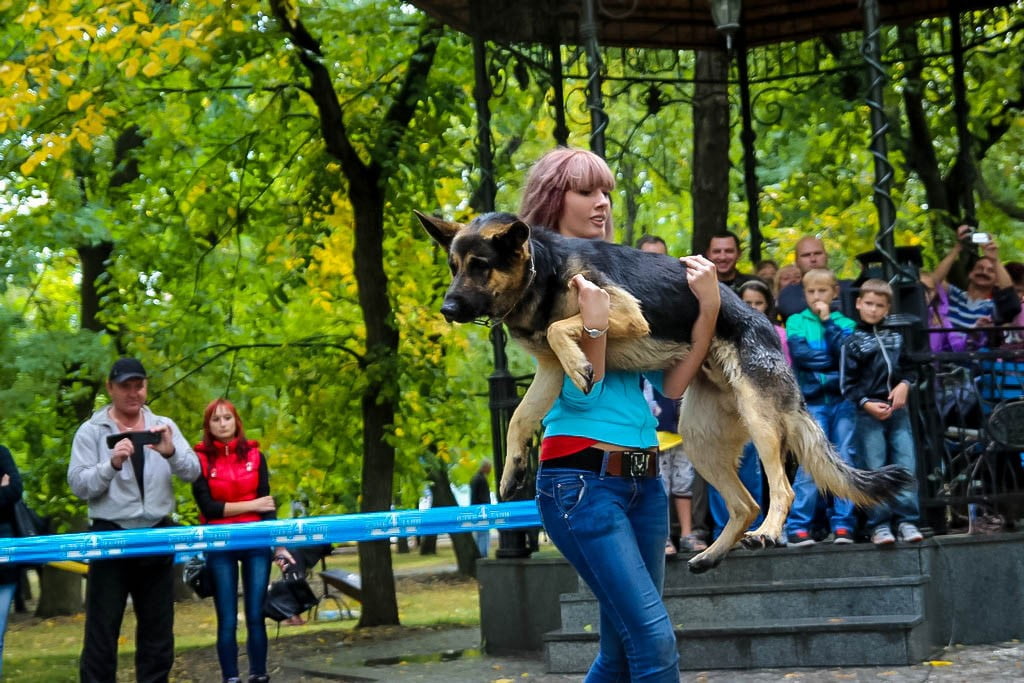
point(441, 230)
point(513, 237)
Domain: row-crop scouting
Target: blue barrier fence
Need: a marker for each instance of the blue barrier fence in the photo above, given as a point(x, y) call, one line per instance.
point(188, 540)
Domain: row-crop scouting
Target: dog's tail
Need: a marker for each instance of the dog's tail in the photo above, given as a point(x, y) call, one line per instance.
point(814, 451)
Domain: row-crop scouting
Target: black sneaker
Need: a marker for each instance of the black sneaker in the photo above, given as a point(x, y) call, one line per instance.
point(842, 536)
point(799, 539)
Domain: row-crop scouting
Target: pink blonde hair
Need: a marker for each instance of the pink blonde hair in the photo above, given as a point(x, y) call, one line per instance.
point(553, 175)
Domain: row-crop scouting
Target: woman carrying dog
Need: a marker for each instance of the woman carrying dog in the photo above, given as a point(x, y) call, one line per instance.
point(598, 490)
point(234, 487)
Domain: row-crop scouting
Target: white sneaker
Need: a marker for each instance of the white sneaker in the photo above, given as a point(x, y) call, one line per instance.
point(882, 536)
point(909, 533)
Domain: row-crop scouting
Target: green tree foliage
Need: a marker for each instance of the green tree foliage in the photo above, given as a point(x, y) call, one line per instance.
point(168, 189)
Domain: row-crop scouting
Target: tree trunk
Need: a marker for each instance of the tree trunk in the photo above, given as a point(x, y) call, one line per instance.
point(366, 182)
point(463, 544)
point(380, 603)
point(710, 185)
point(60, 593)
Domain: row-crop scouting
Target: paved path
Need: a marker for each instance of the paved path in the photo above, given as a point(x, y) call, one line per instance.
point(453, 656)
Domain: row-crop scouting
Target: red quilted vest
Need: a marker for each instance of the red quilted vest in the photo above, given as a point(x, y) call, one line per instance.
point(231, 480)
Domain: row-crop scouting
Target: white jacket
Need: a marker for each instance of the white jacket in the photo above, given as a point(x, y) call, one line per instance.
point(114, 495)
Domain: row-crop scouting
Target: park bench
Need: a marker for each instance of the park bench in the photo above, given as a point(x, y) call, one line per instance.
point(346, 584)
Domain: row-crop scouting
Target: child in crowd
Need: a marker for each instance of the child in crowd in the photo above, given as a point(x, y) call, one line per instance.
point(758, 296)
point(876, 377)
point(815, 337)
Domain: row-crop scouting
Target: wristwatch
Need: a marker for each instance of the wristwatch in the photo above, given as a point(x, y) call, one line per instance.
point(592, 333)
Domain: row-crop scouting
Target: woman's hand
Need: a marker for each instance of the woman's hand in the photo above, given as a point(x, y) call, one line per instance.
point(703, 280)
point(594, 302)
point(264, 504)
point(282, 557)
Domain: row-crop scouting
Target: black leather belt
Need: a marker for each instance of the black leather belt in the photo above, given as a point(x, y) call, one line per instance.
point(631, 463)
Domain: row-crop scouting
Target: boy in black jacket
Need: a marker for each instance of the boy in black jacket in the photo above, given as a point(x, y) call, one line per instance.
point(874, 375)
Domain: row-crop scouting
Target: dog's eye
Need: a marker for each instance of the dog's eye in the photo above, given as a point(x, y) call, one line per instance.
point(478, 268)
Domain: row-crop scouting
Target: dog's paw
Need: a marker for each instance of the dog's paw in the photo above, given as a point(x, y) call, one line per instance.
point(755, 541)
point(703, 562)
point(583, 377)
point(512, 480)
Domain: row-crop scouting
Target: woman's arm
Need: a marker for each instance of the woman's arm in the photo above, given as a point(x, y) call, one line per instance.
point(594, 307)
point(703, 281)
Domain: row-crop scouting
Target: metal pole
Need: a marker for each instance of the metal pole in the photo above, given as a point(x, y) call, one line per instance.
point(747, 138)
point(598, 117)
point(960, 108)
point(872, 54)
point(484, 145)
point(501, 385)
point(561, 127)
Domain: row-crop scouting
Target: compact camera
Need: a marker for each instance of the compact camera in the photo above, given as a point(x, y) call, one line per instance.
point(980, 238)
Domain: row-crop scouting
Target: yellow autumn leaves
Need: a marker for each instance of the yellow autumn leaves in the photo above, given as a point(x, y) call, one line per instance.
point(72, 55)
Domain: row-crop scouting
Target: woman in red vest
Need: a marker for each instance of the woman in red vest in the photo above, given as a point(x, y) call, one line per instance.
point(234, 487)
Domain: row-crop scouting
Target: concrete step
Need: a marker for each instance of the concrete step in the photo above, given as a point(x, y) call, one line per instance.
point(769, 602)
point(822, 560)
point(877, 640)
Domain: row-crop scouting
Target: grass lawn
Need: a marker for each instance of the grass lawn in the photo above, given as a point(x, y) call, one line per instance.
point(46, 650)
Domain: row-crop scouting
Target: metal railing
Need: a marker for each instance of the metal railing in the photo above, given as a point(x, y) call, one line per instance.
point(969, 429)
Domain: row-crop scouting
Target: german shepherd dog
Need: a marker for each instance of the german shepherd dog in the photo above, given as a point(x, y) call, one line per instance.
point(504, 271)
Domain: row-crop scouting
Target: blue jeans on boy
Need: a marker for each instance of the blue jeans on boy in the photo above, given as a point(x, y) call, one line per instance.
point(836, 419)
point(612, 530)
point(223, 566)
point(750, 475)
point(889, 442)
point(7, 591)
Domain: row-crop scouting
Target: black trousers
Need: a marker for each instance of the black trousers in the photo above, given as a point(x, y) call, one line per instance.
point(150, 583)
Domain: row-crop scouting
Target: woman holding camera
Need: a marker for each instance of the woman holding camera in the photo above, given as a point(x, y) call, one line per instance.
point(234, 487)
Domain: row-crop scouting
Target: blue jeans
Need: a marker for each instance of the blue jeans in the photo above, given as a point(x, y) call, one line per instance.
point(483, 541)
point(750, 475)
point(889, 442)
point(612, 530)
point(7, 591)
point(836, 420)
point(255, 576)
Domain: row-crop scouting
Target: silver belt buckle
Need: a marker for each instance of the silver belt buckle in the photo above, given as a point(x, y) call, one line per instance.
point(638, 462)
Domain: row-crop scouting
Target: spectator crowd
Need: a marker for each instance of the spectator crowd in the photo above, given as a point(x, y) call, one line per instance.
point(854, 372)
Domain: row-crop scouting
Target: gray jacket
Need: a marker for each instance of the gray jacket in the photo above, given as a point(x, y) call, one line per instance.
point(114, 495)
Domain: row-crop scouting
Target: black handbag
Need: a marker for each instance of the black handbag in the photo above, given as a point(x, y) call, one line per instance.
point(198, 576)
point(288, 596)
point(27, 523)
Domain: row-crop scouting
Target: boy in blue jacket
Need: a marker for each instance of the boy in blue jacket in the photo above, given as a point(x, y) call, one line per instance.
point(876, 378)
point(816, 336)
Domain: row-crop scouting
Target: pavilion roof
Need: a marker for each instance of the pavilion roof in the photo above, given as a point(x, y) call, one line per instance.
point(674, 24)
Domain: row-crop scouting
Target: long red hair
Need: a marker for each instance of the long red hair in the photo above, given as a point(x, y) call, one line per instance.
point(241, 445)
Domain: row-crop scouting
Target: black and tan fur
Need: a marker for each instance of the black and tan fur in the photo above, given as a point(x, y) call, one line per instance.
point(504, 271)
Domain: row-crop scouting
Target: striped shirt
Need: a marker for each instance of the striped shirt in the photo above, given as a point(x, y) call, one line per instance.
point(965, 311)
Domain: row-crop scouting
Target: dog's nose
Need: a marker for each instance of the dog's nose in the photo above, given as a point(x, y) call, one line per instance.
point(450, 310)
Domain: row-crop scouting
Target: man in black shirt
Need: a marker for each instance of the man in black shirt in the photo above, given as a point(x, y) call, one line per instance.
point(724, 251)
